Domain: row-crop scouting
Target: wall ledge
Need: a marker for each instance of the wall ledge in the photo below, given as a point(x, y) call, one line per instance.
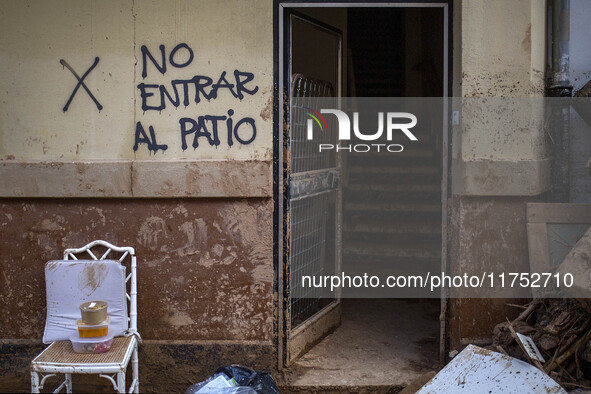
point(501, 178)
point(136, 179)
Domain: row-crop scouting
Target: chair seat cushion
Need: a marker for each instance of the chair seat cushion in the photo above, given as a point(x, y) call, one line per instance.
point(69, 283)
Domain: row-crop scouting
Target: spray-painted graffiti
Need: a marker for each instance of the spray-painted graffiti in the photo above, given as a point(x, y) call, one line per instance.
point(191, 91)
point(142, 138)
point(81, 83)
point(202, 86)
point(199, 129)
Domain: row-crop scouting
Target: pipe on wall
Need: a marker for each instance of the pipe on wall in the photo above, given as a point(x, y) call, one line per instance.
point(561, 43)
point(560, 86)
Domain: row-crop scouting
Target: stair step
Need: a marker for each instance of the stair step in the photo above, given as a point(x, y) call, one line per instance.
point(433, 228)
point(394, 187)
point(424, 207)
point(400, 179)
point(389, 196)
point(387, 238)
point(400, 263)
point(422, 250)
point(392, 219)
point(386, 266)
point(392, 253)
point(387, 159)
point(412, 149)
point(391, 266)
point(418, 152)
point(424, 143)
point(391, 170)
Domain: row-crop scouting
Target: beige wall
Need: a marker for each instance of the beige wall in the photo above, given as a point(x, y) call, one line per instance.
point(36, 35)
point(225, 36)
point(503, 50)
point(503, 43)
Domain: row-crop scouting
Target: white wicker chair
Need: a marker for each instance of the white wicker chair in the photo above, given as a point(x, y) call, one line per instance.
point(60, 358)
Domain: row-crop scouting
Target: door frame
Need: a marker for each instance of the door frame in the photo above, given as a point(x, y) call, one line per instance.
point(301, 337)
point(280, 64)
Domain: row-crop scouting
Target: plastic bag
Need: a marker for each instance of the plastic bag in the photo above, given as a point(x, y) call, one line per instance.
point(218, 383)
point(248, 381)
point(262, 382)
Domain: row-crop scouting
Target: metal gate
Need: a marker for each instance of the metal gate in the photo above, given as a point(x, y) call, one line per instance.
point(313, 217)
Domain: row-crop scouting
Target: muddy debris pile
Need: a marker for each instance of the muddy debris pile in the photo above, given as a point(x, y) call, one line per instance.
point(561, 332)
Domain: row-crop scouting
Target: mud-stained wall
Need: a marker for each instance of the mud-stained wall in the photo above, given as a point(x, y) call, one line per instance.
point(204, 268)
point(492, 238)
point(497, 166)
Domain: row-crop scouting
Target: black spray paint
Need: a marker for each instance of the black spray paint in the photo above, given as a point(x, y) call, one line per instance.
point(156, 97)
point(207, 126)
point(162, 66)
point(142, 138)
point(81, 83)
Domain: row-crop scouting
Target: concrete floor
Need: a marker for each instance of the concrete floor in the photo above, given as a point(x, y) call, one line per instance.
point(381, 343)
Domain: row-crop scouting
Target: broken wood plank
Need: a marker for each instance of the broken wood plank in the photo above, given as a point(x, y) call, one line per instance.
point(569, 352)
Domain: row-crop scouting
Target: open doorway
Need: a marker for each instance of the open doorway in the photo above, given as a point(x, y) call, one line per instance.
point(362, 50)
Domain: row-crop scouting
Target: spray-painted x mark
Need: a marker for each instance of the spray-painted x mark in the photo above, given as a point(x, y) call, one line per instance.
point(81, 83)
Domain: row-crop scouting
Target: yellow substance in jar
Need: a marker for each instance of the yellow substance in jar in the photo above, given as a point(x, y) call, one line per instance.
point(93, 332)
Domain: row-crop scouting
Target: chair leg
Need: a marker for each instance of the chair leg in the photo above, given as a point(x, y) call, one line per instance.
point(34, 382)
point(68, 382)
point(135, 370)
point(121, 382)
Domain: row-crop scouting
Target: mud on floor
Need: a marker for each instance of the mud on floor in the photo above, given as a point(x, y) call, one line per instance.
point(381, 346)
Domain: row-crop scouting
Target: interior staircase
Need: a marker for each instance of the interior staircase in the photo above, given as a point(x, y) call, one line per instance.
point(391, 201)
point(392, 209)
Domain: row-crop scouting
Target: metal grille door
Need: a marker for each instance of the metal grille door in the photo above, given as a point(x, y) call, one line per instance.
point(313, 189)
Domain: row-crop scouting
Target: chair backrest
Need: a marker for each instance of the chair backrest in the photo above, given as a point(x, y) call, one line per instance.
point(125, 255)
